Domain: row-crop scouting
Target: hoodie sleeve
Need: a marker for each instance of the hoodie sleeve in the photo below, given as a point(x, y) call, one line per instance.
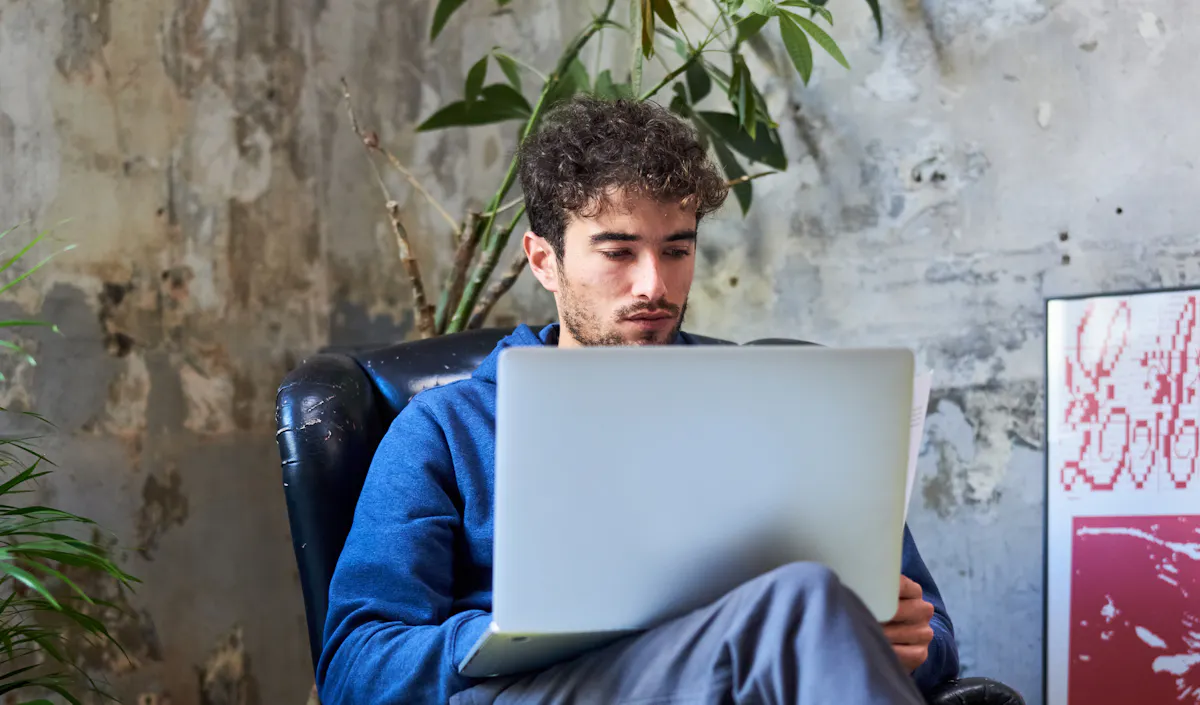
point(942, 664)
point(390, 636)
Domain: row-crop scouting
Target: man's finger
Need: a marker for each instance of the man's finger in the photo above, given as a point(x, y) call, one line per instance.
point(909, 588)
point(913, 611)
point(908, 634)
point(911, 656)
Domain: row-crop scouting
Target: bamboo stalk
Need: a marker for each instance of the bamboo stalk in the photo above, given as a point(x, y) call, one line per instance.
point(493, 246)
point(497, 290)
point(453, 287)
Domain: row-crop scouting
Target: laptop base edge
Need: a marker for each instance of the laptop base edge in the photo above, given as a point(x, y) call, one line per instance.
point(499, 653)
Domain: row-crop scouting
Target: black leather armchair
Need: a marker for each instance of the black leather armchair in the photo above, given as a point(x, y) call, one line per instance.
point(332, 411)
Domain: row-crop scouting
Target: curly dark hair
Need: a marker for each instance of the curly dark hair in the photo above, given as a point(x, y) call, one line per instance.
point(588, 147)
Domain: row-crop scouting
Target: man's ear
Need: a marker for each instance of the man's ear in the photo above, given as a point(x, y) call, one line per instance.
point(542, 260)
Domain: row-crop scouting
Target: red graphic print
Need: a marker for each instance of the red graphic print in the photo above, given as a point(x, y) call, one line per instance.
point(1135, 611)
point(1132, 405)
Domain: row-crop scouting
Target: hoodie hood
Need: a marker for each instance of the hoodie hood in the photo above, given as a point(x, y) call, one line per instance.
point(523, 336)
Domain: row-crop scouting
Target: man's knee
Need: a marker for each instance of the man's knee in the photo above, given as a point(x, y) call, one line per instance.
point(798, 579)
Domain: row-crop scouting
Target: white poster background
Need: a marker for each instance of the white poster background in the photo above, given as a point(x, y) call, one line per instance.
point(1084, 345)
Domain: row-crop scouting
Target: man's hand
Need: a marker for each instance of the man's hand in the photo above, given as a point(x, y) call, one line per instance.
point(909, 631)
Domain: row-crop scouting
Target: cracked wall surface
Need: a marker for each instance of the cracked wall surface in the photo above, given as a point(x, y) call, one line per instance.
point(983, 155)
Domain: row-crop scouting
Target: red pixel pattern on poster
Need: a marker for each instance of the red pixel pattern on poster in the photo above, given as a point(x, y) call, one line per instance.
point(1132, 400)
point(1135, 611)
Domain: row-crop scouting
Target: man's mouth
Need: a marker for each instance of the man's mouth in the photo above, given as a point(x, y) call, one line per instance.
point(651, 316)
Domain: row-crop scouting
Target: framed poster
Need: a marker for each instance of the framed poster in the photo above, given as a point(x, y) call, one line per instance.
point(1122, 617)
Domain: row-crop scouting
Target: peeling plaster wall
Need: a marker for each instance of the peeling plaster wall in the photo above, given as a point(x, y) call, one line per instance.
point(983, 155)
point(226, 225)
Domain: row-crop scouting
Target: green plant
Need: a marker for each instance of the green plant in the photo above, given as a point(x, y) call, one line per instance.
point(41, 607)
point(709, 65)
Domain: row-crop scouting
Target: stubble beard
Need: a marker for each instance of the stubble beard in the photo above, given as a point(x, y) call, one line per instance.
point(588, 330)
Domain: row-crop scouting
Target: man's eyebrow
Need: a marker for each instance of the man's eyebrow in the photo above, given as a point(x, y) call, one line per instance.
point(614, 237)
point(684, 235)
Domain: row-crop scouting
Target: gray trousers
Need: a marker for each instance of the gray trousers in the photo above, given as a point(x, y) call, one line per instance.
point(793, 636)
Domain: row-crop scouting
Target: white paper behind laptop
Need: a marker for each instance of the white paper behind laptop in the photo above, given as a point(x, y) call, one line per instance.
point(636, 484)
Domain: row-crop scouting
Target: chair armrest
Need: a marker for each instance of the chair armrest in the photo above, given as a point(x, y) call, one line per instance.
point(975, 691)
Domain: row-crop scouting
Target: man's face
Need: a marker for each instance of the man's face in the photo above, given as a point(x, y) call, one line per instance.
point(625, 273)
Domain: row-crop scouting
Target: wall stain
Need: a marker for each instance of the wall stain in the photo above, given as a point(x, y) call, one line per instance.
point(164, 505)
point(117, 342)
point(246, 243)
point(997, 417)
point(133, 628)
point(226, 677)
point(87, 26)
point(808, 131)
point(185, 56)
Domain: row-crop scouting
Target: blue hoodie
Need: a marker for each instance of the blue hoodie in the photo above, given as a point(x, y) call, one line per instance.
point(412, 591)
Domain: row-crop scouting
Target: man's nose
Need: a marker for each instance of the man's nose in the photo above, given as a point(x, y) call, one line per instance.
point(648, 282)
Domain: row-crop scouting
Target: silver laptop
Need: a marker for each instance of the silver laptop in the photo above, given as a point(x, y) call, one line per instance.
point(636, 484)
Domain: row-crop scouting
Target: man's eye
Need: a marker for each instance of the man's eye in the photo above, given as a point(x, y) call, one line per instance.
point(679, 253)
point(616, 254)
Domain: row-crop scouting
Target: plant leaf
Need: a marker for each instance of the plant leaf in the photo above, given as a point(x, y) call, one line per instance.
point(662, 8)
point(723, 80)
point(821, 38)
point(749, 26)
point(798, 48)
point(647, 28)
point(17, 349)
point(475, 78)
point(822, 11)
point(574, 80)
point(765, 147)
point(698, 82)
point(28, 580)
point(19, 255)
point(605, 88)
point(742, 95)
point(33, 269)
point(762, 7)
point(13, 324)
point(875, 12)
point(744, 192)
point(680, 104)
point(511, 69)
point(498, 102)
point(441, 15)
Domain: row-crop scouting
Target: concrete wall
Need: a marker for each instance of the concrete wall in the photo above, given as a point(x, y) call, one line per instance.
point(985, 154)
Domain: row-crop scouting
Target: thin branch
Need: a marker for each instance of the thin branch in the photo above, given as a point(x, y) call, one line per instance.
point(667, 79)
point(749, 177)
point(417, 185)
point(506, 207)
point(366, 141)
point(721, 14)
point(424, 310)
point(371, 141)
point(497, 290)
point(694, 54)
point(529, 67)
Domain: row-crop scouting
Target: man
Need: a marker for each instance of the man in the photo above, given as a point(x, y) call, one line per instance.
point(615, 192)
